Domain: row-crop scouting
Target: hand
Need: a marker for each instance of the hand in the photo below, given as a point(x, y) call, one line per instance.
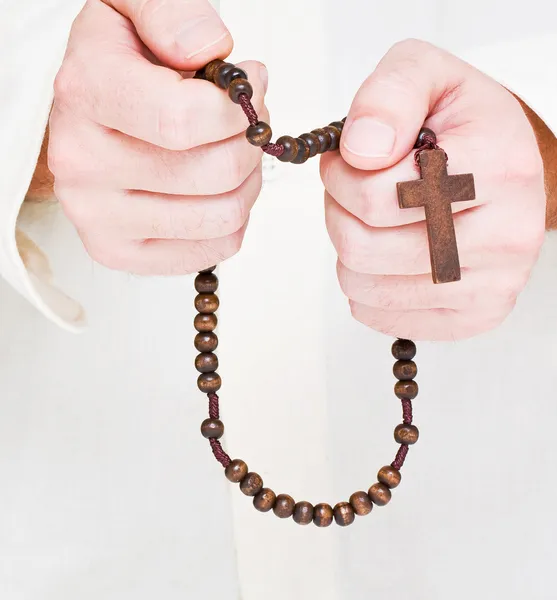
point(153, 169)
point(383, 252)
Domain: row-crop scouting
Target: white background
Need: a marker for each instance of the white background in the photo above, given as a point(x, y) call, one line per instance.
point(108, 490)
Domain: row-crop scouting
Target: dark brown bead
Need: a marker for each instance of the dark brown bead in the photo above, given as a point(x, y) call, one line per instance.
point(323, 515)
point(312, 142)
point(206, 362)
point(324, 138)
point(259, 134)
point(239, 87)
point(232, 74)
point(206, 283)
point(207, 303)
point(212, 428)
point(303, 152)
point(406, 389)
point(361, 503)
point(404, 349)
point(284, 506)
point(251, 484)
point(405, 370)
point(344, 514)
point(265, 500)
point(338, 124)
point(425, 132)
point(220, 74)
point(303, 513)
point(236, 470)
point(334, 134)
point(205, 323)
point(379, 494)
point(344, 120)
point(389, 476)
point(209, 383)
point(290, 148)
point(208, 269)
point(211, 69)
point(406, 434)
point(206, 342)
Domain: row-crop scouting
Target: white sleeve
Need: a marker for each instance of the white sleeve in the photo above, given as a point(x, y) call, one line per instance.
point(33, 37)
point(527, 67)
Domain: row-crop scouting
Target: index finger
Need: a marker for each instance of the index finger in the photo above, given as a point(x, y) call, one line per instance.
point(107, 78)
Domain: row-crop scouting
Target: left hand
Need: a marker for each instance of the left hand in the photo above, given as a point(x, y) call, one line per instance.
point(383, 251)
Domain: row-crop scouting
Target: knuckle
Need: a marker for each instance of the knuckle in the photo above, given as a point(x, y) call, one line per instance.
point(235, 169)
point(350, 252)
point(173, 127)
point(67, 82)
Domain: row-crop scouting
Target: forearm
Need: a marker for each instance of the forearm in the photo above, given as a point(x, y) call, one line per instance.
point(547, 143)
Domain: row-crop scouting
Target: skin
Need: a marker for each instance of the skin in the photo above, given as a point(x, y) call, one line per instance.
point(134, 150)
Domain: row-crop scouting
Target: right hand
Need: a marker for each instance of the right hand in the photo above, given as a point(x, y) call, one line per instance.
point(154, 170)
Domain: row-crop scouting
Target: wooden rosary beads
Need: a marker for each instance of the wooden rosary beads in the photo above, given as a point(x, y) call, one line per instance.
point(435, 191)
point(251, 484)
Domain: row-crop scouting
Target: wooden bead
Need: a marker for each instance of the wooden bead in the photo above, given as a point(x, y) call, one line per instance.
point(209, 383)
point(303, 513)
point(208, 270)
point(324, 138)
point(284, 506)
point(406, 434)
point(231, 74)
point(290, 148)
point(206, 303)
point(404, 350)
point(389, 476)
point(259, 134)
point(251, 484)
point(212, 428)
point(206, 362)
point(334, 134)
point(303, 152)
point(206, 342)
point(239, 87)
point(220, 74)
point(265, 500)
point(206, 283)
point(344, 120)
point(425, 132)
point(406, 389)
point(379, 494)
point(210, 71)
point(236, 470)
point(205, 323)
point(313, 143)
point(361, 503)
point(323, 515)
point(338, 124)
point(405, 370)
point(344, 514)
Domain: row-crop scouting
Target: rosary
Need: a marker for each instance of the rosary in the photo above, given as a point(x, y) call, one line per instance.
point(435, 192)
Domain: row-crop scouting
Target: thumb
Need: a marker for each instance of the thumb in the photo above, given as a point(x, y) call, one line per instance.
point(183, 34)
point(394, 102)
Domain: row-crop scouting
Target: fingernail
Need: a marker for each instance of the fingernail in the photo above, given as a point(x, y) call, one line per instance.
point(200, 34)
point(264, 75)
point(370, 138)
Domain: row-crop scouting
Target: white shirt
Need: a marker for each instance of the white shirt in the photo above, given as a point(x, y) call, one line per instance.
point(108, 490)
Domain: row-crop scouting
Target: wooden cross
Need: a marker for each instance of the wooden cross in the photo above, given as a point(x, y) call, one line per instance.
point(435, 192)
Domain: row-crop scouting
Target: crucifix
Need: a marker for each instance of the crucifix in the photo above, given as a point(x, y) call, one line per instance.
point(435, 192)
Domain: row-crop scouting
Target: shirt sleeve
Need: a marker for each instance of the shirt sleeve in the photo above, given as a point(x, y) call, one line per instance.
point(33, 37)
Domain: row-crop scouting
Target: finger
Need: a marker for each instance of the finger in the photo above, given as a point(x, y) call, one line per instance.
point(184, 34)
point(477, 289)
point(122, 90)
point(394, 102)
point(139, 216)
point(486, 237)
point(372, 195)
point(82, 154)
point(163, 257)
point(437, 325)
